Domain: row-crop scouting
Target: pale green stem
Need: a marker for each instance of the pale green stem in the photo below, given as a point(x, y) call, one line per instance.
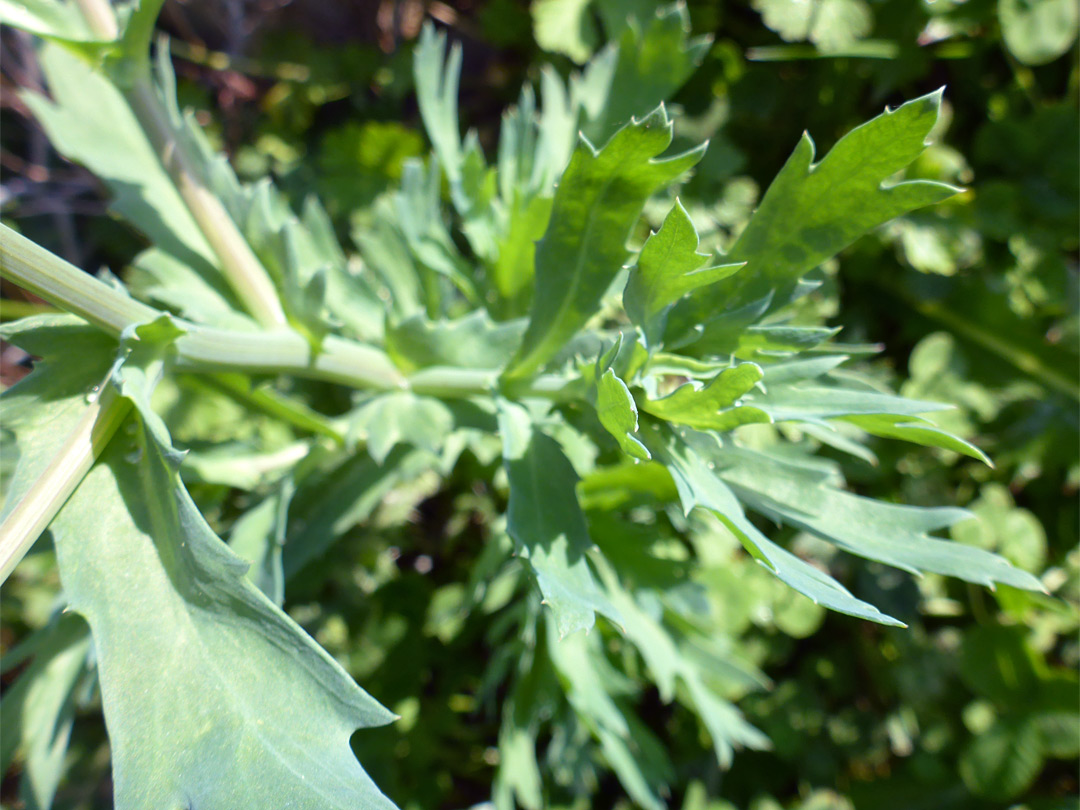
point(451, 382)
point(242, 269)
point(25, 523)
point(36, 270)
point(269, 402)
point(282, 350)
point(202, 348)
point(439, 381)
point(99, 16)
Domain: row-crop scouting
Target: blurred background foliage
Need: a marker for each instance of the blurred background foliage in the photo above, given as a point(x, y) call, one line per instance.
point(974, 705)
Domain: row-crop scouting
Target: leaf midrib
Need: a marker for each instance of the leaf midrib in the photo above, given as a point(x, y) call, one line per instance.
point(575, 281)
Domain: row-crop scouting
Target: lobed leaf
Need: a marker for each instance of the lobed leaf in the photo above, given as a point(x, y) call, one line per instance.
point(813, 210)
point(669, 666)
point(698, 485)
point(182, 638)
point(592, 685)
point(546, 523)
point(599, 199)
point(716, 405)
point(436, 94)
point(890, 533)
point(618, 414)
point(41, 410)
point(667, 268)
point(474, 341)
point(401, 417)
point(653, 57)
point(88, 120)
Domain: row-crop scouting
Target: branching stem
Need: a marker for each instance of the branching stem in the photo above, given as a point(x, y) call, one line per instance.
point(202, 348)
point(240, 266)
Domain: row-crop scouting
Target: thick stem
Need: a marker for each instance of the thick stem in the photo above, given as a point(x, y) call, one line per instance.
point(241, 267)
point(47, 495)
point(36, 270)
point(449, 382)
point(202, 348)
point(284, 352)
point(281, 350)
point(99, 16)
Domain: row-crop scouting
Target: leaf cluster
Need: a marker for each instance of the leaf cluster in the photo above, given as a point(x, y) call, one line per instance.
point(637, 405)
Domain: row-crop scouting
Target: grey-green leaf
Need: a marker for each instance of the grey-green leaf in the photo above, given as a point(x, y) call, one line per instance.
point(917, 431)
point(667, 268)
point(168, 604)
point(653, 58)
point(41, 410)
point(815, 402)
point(89, 122)
point(894, 534)
point(699, 486)
point(618, 414)
point(598, 201)
point(436, 93)
point(713, 407)
point(474, 341)
point(669, 665)
point(546, 523)
point(401, 417)
point(258, 537)
point(813, 210)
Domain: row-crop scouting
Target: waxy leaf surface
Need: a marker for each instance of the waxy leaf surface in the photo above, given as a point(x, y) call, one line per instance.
point(598, 201)
point(712, 407)
point(41, 410)
point(197, 668)
point(669, 665)
point(401, 417)
point(547, 524)
point(698, 485)
point(894, 534)
point(814, 210)
point(668, 267)
point(474, 341)
point(89, 122)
